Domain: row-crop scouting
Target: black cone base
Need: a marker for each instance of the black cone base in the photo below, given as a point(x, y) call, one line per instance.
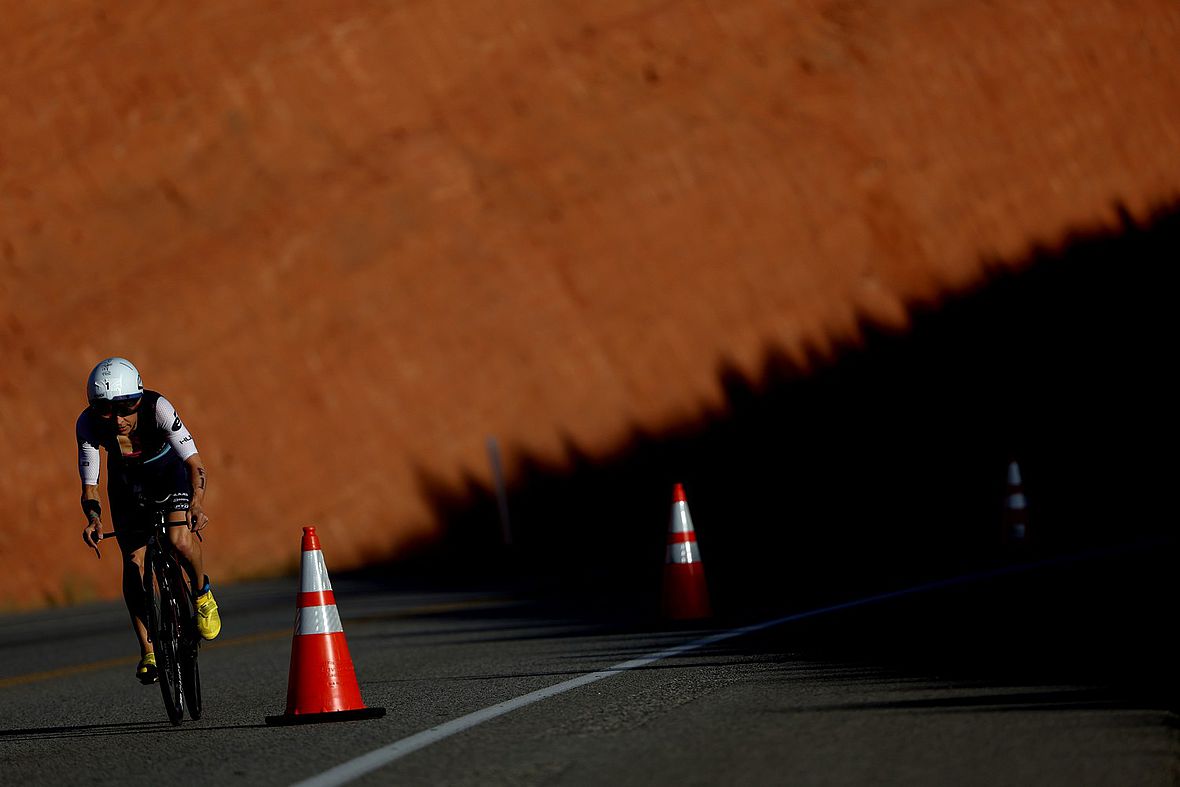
point(318, 718)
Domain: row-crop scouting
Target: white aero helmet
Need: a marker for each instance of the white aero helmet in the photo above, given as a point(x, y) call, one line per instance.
point(114, 380)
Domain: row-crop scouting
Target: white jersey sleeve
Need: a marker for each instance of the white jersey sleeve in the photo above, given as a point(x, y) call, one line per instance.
point(87, 451)
point(178, 436)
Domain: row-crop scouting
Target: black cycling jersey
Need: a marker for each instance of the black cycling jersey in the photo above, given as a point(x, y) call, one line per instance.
point(148, 472)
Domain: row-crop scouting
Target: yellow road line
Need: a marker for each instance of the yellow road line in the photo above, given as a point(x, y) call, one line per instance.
point(247, 639)
point(34, 677)
point(78, 669)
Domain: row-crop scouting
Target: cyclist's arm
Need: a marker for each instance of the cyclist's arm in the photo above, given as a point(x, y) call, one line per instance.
point(93, 510)
point(88, 471)
point(197, 476)
point(177, 434)
point(186, 448)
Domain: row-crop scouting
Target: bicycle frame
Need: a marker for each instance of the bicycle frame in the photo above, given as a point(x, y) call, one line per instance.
point(170, 618)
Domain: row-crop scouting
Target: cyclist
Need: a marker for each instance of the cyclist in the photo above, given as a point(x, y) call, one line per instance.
point(152, 464)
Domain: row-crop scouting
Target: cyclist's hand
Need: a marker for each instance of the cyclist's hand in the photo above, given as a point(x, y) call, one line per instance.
point(92, 533)
point(196, 518)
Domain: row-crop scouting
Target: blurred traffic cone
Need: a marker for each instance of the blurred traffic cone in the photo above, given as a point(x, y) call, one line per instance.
point(1015, 517)
point(685, 594)
point(321, 685)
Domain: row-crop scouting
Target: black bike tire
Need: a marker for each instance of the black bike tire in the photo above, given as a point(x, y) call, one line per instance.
point(192, 685)
point(166, 645)
point(153, 619)
point(190, 644)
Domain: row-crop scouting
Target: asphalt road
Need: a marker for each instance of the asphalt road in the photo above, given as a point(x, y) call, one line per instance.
point(1042, 676)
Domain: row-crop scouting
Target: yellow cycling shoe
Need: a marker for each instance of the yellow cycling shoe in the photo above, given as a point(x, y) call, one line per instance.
point(208, 621)
point(146, 671)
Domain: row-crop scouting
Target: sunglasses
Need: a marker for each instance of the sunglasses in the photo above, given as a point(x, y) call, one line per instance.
point(105, 408)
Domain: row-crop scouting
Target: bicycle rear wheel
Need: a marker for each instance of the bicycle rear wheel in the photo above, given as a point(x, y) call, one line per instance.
point(165, 632)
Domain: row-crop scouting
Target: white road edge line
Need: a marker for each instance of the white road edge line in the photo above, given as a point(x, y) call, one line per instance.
point(378, 758)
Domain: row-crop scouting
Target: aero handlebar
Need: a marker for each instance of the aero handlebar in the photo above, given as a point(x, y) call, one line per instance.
point(115, 534)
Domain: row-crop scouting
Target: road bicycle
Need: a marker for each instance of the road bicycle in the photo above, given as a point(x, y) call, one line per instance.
point(171, 622)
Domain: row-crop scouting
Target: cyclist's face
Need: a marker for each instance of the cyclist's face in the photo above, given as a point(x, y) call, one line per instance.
point(125, 423)
point(123, 414)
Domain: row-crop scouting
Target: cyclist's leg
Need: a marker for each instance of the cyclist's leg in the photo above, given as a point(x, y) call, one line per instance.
point(132, 545)
point(173, 493)
point(133, 595)
point(188, 549)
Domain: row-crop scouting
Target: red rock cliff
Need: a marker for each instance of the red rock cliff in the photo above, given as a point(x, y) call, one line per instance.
point(350, 240)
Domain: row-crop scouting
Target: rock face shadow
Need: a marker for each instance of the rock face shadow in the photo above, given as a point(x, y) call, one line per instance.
point(888, 463)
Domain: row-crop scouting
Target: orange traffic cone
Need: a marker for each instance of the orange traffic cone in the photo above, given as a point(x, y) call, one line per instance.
point(685, 594)
point(1015, 519)
point(321, 685)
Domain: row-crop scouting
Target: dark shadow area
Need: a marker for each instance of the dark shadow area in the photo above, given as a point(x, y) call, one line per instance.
point(1099, 626)
point(887, 463)
point(84, 729)
point(115, 728)
point(885, 466)
point(1052, 700)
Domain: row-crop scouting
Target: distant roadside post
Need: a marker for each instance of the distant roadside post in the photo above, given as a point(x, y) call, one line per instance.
point(493, 446)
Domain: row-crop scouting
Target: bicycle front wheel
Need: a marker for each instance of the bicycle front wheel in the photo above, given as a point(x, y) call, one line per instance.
point(190, 644)
point(192, 684)
point(166, 631)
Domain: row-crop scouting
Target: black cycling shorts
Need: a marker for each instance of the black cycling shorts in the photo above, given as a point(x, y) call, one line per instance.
point(137, 497)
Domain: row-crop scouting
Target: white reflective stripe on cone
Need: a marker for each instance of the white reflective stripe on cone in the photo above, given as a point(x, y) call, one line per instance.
point(1017, 500)
point(318, 620)
point(686, 552)
point(1014, 473)
point(681, 520)
point(314, 574)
